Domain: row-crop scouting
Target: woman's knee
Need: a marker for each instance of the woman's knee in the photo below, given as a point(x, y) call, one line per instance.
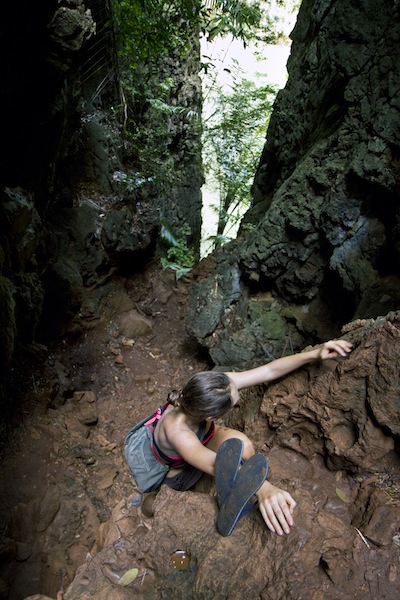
point(224, 433)
point(248, 448)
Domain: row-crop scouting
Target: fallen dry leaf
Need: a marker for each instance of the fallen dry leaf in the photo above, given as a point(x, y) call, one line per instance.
point(129, 576)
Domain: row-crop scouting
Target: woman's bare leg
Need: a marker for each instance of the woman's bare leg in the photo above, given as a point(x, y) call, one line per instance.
point(223, 433)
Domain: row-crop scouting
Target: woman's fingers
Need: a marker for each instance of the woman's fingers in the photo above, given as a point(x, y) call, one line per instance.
point(271, 523)
point(291, 502)
point(343, 347)
point(277, 512)
point(334, 347)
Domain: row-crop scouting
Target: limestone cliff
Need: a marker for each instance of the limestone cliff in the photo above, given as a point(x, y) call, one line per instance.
point(324, 243)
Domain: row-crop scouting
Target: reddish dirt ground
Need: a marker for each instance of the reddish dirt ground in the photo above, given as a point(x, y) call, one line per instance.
point(130, 378)
point(61, 479)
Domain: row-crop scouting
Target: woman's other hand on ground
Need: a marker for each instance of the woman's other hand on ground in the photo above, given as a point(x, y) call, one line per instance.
point(276, 507)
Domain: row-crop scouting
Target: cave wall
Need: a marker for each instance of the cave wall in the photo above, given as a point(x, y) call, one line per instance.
point(39, 99)
point(324, 247)
point(40, 48)
point(68, 221)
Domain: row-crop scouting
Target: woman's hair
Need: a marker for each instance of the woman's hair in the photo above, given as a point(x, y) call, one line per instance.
point(206, 394)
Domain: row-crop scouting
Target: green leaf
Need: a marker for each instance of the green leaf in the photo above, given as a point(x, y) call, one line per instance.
point(128, 577)
point(340, 494)
point(167, 234)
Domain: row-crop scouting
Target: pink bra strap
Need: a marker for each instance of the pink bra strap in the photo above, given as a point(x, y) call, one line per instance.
point(155, 417)
point(160, 410)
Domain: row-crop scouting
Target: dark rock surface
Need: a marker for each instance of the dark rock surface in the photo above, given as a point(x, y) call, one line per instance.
point(324, 246)
point(70, 213)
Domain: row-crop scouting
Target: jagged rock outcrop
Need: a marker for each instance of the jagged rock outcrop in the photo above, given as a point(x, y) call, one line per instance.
point(324, 247)
point(352, 410)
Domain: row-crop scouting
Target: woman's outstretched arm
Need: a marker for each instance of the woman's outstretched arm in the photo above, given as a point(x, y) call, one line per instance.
point(282, 366)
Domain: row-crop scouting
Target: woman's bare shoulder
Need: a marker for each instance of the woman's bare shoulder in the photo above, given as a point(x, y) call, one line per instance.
point(173, 422)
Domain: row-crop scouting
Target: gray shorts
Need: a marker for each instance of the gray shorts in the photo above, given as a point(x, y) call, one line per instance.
point(149, 473)
point(185, 479)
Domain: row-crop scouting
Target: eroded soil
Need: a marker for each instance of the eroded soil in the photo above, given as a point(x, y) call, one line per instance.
point(70, 510)
point(61, 478)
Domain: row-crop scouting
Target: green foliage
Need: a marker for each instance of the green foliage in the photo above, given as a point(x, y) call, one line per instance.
point(236, 17)
point(249, 227)
point(130, 182)
point(180, 257)
point(218, 240)
point(155, 35)
point(233, 139)
point(149, 28)
point(154, 122)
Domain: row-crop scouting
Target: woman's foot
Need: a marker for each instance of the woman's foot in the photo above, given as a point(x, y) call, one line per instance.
point(238, 502)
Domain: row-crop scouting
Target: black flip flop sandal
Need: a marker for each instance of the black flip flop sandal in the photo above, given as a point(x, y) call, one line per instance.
point(249, 479)
point(227, 463)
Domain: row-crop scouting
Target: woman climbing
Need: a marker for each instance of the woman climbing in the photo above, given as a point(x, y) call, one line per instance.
point(181, 441)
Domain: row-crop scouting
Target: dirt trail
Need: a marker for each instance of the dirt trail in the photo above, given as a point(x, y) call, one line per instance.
point(68, 500)
point(64, 474)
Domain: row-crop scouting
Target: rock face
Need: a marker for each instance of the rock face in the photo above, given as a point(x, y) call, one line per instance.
point(37, 94)
point(330, 443)
point(69, 215)
point(352, 408)
point(42, 45)
point(324, 247)
point(332, 180)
